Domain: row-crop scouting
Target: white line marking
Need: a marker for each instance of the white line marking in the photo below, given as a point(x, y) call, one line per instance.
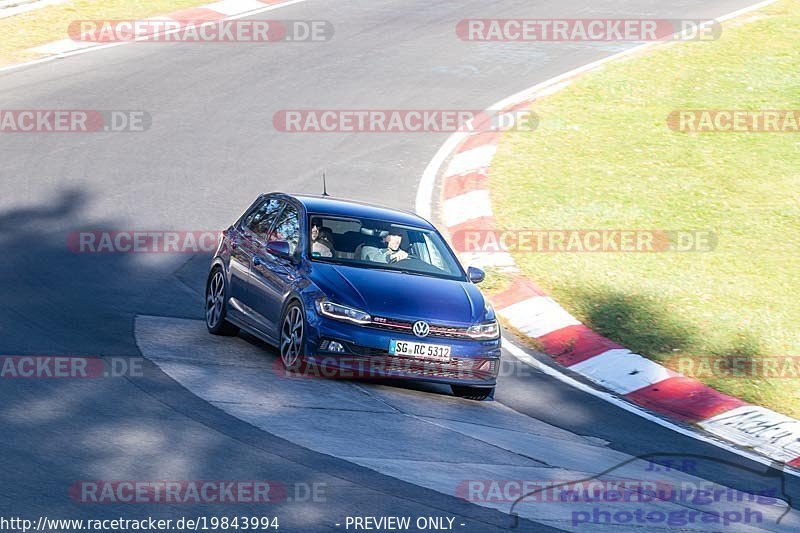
point(64, 46)
point(10, 9)
point(520, 354)
point(234, 7)
point(428, 180)
point(111, 45)
point(424, 207)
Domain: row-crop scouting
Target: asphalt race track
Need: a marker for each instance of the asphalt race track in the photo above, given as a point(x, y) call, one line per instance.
point(207, 408)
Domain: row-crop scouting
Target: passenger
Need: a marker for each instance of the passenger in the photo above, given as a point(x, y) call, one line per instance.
point(320, 245)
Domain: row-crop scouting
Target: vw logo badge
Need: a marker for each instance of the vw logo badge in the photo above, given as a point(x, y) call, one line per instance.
point(421, 329)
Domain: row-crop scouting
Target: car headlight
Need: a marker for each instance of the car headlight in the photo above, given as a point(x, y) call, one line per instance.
point(342, 312)
point(489, 330)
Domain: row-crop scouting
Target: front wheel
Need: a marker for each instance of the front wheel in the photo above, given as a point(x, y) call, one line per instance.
point(473, 393)
point(216, 291)
point(292, 336)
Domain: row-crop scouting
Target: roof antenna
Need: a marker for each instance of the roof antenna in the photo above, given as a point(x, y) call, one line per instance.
point(324, 186)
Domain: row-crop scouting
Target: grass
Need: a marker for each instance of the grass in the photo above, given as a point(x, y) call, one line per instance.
point(603, 157)
point(21, 32)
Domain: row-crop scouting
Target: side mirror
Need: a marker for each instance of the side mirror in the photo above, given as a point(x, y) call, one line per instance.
point(475, 275)
point(279, 249)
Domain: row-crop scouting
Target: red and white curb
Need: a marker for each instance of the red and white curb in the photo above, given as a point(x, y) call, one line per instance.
point(462, 167)
point(218, 11)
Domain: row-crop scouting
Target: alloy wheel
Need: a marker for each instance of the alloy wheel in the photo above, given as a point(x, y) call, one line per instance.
point(215, 299)
point(292, 336)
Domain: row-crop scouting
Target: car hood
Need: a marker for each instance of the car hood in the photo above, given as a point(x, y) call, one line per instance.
point(402, 296)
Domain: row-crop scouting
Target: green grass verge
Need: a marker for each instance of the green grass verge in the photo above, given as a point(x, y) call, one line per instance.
point(603, 157)
point(41, 26)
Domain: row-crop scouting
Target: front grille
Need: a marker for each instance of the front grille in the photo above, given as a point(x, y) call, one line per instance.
point(362, 350)
point(449, 332)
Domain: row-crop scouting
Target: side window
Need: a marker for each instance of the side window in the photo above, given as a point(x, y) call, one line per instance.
point(288, 228)
point(433, 252)
point(262, 217)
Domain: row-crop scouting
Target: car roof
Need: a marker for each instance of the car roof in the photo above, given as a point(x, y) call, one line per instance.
point(327, 205)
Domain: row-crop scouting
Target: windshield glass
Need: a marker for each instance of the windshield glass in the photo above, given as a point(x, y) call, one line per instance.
point(367, 243)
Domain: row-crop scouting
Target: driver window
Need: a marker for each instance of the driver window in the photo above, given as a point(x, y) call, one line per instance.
point(262, 217)
point(287, 228)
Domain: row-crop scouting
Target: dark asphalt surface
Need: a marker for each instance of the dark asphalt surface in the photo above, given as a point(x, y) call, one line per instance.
point(211, 149)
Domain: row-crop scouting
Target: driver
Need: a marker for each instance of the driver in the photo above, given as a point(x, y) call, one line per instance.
point(392, 253)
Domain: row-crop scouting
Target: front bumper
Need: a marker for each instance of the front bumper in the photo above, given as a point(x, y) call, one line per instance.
point(472, 362)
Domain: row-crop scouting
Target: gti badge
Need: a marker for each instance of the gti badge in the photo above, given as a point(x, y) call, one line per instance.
point(421, 329)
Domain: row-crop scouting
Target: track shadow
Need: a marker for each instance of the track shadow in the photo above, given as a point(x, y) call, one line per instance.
point(644, 325)
point(638, 322)
point(58, 300)
point(142, 426)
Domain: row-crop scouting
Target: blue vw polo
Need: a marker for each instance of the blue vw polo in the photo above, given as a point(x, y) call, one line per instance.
point(373, 291)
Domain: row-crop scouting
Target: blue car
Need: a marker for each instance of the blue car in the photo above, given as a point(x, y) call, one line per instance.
point(366, 290)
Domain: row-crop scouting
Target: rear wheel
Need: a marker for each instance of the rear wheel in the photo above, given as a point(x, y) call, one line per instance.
point(473, 393)
point(216, 291)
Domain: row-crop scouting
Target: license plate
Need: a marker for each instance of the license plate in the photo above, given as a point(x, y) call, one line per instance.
point(420, 350)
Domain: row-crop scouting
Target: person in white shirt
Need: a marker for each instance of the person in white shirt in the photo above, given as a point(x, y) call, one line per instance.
point(320, 246)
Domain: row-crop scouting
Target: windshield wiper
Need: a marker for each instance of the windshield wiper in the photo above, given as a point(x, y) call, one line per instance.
point(412, 273)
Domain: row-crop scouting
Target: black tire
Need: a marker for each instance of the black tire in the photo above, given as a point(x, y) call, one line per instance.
point(473, 393)
point(215, 305)
point(292, 338)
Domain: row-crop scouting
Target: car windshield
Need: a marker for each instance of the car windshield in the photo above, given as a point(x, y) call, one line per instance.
point(368, 243)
